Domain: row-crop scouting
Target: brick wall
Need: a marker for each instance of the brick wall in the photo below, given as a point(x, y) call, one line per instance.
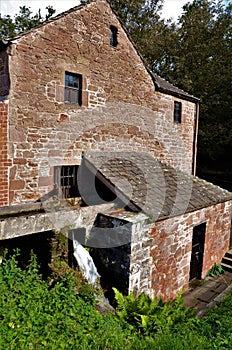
point(160, 253)
point(4, 162)
point(121, 109)
point(172, 245)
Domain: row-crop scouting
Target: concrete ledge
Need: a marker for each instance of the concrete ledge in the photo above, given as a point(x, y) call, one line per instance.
point(20, 209)
point(213, 303)
point(27, 219)
point(36, 207)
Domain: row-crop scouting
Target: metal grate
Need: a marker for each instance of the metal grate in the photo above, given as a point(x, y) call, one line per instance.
point(65, 179)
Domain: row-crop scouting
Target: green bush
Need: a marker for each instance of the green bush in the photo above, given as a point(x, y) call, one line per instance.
point(153, 315)
point(59, 314)
point(54, 314)
point(216, 270)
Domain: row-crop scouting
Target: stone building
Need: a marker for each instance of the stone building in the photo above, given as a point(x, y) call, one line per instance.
point(74, 89)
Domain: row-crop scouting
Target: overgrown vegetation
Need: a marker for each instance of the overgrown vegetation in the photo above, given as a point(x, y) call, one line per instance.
point(60, 313)
point(148, 315)
point(216, 270)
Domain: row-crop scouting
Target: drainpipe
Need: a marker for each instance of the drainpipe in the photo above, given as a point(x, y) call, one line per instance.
point(196, 122)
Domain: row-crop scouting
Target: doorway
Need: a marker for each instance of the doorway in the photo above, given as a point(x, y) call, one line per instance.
point(38, 243)
point(198, 242)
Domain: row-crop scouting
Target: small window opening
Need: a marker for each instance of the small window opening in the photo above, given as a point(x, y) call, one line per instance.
point(113, 36)
point(73, 88)
point(65, 180)
point(177, 111)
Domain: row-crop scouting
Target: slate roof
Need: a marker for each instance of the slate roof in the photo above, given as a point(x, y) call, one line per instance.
point(148, 185)
point(164, 86)
point(161, 84)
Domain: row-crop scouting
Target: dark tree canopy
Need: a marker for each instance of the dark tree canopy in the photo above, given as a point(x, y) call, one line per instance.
point(196, 54)
point(203, 66)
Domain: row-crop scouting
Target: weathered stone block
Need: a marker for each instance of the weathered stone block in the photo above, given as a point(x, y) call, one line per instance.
point(17, 185)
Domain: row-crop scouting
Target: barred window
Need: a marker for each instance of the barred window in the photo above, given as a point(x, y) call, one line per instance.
point(73, 88)
point(65, 180)
point(177, 111)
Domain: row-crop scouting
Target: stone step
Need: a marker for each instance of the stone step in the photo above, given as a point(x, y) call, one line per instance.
point(226, 267)
point(229, 254)
point(227, 260)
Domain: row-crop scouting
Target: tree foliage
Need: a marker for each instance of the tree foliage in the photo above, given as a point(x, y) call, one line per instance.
point(195, 54)
point(144, 24)
point(203, 67)
point(22, 21)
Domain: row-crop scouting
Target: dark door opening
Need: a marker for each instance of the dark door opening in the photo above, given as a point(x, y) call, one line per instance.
point(113, 265)
point(198, 242)
point(38, 243)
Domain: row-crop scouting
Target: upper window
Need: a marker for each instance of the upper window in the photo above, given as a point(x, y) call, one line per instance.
point(65, 179)
point(177, 111)
point(73, 88)
point(113, 36)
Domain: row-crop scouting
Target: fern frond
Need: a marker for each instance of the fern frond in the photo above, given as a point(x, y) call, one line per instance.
point(119, 298)
point(145, 320)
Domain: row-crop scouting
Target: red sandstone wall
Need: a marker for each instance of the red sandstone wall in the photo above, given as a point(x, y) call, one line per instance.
point(172, 245)
point(121, 110)
point(4, 162)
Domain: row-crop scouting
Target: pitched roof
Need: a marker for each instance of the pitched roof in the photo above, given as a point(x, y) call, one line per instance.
point(148, 185)
point(161, 84)
point(164, 86)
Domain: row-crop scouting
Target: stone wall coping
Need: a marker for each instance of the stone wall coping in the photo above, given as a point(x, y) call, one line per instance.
point(38, 207)
point(54, 205)
point(20, 209)
point(132, 217)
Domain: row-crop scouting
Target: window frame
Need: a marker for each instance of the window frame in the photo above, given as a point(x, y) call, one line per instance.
point(73, 87)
